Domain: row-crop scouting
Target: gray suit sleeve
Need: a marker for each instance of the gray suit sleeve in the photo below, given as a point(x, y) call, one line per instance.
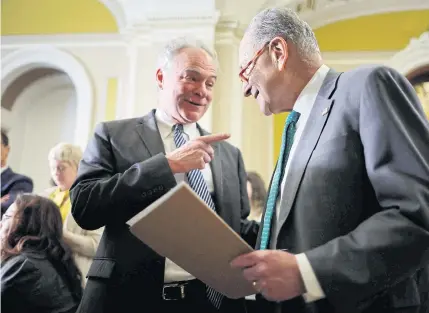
point(392, 244)
point(100, 195)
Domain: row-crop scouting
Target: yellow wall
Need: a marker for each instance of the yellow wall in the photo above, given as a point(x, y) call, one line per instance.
point(279, 121)
point(111, 100)
point(390, 31)
point(31, 17)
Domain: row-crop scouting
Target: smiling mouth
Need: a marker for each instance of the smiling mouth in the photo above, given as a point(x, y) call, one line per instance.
point(196, 104)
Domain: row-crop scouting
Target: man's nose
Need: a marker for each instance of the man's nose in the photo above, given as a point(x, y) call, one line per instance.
point(247, 89)
point(201, 91)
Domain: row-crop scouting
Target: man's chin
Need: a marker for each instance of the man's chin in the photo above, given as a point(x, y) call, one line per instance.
point(191, 117)
point(265, 109)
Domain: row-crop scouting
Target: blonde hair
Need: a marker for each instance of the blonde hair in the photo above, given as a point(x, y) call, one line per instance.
point(66, 152)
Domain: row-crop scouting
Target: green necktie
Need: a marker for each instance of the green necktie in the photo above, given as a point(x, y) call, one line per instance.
point(287, 141)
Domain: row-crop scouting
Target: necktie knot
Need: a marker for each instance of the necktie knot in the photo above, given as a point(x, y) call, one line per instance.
point(178, 128)
point(293, 117)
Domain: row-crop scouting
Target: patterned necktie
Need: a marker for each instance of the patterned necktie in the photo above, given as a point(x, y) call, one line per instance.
point(198, 184)
point(287, 141)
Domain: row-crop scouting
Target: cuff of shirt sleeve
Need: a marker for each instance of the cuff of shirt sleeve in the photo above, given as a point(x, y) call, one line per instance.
point(312, 285)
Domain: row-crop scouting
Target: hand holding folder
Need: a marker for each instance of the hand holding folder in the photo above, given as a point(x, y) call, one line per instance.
point(181, 227)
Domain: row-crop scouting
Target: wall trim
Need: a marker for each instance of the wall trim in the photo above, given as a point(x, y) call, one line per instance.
point(65, 40)
point(18, 62)
point(319, 13)
point(117, 10)
point(414, 56)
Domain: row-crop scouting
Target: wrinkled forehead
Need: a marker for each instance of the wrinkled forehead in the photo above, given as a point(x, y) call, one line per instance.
point(195, 58)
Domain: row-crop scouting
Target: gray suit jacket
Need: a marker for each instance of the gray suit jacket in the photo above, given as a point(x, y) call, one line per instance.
point(124, 169)
point(356, 199)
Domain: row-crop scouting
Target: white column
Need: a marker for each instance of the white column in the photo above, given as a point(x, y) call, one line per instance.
point(228, 99)
point(150, 25)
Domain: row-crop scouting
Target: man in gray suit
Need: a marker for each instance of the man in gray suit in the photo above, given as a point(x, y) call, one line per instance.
point(130, 163)
point(346, 224)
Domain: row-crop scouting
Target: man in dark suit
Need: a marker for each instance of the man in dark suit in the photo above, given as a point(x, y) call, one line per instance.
point(130, 163)
point(346, 224)
point(11, 183)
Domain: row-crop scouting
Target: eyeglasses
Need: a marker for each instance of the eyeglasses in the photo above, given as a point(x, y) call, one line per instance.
point(247, 70)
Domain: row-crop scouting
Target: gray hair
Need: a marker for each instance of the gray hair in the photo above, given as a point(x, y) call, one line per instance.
point(66, 152)
point(285, 23)
point(174, 46)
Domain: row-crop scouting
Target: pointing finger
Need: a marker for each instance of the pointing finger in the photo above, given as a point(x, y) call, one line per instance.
point(214, 138)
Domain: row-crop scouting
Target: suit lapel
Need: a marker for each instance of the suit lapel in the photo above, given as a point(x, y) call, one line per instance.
point(313, 129)
point(149, 133)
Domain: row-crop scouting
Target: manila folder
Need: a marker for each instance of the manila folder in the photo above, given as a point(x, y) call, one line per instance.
point(181, 227)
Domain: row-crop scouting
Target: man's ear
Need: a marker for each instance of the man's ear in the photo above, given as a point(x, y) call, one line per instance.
point(159, 78)
point(278, 49)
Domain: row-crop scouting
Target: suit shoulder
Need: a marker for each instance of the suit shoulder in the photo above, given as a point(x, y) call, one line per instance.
point(20, 178)
point(25, 178)
point(121, 123)
point(370, 72)
point(113, 127)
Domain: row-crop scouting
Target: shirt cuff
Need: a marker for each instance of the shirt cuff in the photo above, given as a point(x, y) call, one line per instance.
point(312, 285)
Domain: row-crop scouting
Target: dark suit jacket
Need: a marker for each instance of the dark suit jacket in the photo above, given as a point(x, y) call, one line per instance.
point(356, 199)
point(30, 283)
point(12, 184)
point(124, 170)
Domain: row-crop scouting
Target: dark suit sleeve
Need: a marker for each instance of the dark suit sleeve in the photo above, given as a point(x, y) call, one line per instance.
point(391, 245)
point(249, 229)
point(100, 195)
point(21, 185)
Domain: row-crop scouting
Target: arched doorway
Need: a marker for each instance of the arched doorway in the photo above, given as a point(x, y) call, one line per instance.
point(41, 107)
point(47, 97)
point(21, 61)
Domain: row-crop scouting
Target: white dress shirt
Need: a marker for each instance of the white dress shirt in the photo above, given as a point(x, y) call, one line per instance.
point(173, 272)
point(303, 105)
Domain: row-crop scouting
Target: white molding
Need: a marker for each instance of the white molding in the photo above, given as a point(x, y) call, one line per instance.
point(227, 31)
point(327, 12)
point(117, 10)
point(414, 56)
point(65, 40)
point(18, 62)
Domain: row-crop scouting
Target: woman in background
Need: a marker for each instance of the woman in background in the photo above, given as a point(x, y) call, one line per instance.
point(38, 273)
point(63, 160)
point(257, 195)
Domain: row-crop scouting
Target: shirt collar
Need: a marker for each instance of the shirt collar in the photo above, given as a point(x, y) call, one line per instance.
point(166, 123)
point(306, 98)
